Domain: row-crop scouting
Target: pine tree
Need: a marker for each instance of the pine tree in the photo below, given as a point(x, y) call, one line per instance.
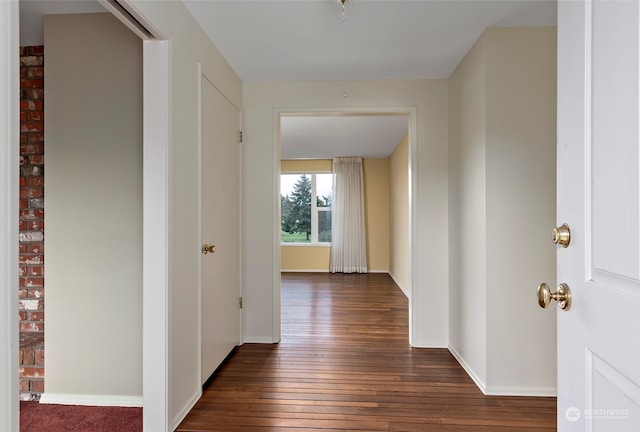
point(298, 217)
point(285, 209)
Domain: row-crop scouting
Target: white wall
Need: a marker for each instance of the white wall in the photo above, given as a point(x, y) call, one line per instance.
point(262, 101)
point(467, 203)
point(502, 209)
point(189, 46)
point(521, 206)
point(93, 151)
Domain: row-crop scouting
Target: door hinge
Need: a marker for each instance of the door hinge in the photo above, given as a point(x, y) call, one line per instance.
point(240, 136)
point(240, 302)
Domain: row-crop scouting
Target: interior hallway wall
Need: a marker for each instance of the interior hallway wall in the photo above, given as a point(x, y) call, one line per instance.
point(467, 212)
point(502, 122)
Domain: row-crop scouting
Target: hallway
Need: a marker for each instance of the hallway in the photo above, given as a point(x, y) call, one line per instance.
point(344, 363)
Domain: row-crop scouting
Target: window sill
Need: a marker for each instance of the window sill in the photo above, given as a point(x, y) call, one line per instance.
point(307, 244)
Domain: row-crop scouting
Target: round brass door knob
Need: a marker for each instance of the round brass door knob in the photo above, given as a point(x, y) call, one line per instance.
point(562, 296)
point(561, 235)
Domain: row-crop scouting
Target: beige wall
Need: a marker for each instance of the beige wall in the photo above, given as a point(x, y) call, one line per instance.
point(93, 340)
point(399, 245)
point(502, 207)
point(314, 258)
point(306, 165)
point(376, 203)
point(376, 184)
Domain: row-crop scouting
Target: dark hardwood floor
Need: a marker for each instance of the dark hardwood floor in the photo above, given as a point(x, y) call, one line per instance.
point(344, 363)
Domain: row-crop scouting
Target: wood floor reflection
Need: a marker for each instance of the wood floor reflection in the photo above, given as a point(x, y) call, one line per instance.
point(344, 363)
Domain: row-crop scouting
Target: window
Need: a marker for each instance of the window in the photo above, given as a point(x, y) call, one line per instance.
point(306, 220)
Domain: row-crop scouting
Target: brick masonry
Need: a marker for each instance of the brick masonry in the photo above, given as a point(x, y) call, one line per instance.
point(31, 234)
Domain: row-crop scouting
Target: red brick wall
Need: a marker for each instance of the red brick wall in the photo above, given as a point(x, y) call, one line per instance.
point(31, 237)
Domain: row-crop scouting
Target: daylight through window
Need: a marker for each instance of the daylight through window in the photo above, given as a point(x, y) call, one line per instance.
point(303, 219)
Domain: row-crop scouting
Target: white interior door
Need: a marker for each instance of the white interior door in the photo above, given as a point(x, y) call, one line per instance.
point(220, 201)
point(599, 197)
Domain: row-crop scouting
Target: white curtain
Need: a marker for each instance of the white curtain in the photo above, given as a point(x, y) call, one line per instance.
point(348, 240)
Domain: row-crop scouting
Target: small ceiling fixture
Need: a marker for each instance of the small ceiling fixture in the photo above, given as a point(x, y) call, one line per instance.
point(343, 2)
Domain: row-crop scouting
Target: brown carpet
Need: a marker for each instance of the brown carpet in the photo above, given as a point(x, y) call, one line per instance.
point(68, 418)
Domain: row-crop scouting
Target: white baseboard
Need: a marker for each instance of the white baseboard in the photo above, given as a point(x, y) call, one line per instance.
point(322, 271)
point(180, 415)
point(502, 391)
point(258, 339)
point(431, 344)
point(91, 400)
point(519, 391)
point(476, 379)
point(304, 271)
point(402, 288)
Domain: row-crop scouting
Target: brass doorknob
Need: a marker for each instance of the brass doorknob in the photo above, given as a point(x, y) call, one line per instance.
point(563, 296)
point(561, 235)
point(208, 249)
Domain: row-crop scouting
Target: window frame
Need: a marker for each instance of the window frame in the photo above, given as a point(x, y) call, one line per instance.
point(314, 208)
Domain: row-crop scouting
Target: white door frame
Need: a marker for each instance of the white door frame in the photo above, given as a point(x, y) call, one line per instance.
point(156, 371)
point(9, 154)
point(412, 113)
point(156, 204)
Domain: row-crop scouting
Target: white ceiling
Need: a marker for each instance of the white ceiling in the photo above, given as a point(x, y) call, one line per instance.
point(326, 137)
point(282, 40)
point(276, 40)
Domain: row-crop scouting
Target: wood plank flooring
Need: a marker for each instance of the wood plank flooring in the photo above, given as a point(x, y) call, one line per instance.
point(344, 363)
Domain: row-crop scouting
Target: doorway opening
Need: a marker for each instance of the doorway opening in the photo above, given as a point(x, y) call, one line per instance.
point(306, 144)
